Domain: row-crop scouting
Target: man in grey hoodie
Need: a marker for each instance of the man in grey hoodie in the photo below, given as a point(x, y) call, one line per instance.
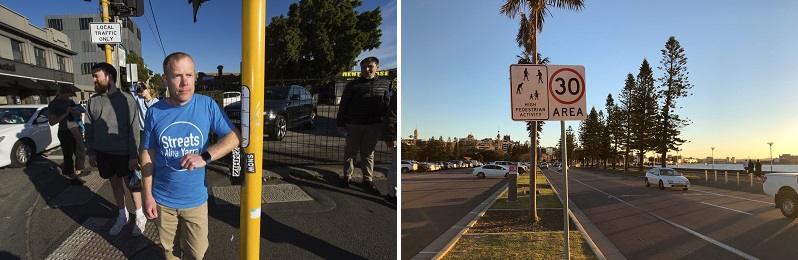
point(112, 138)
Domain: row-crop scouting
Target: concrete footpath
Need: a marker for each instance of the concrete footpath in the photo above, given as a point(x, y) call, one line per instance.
point(305, 215)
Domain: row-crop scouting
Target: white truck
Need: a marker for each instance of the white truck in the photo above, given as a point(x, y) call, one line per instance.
point(783, 187)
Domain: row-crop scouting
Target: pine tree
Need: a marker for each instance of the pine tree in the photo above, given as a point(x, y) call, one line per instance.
point(643, 113)
point(674, 84)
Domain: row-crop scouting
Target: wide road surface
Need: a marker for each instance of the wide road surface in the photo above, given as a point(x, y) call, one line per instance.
point(701, 223)
point(434, 202)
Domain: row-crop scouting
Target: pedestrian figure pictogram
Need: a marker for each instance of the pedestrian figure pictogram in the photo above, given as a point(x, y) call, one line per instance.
point(540, 76)
point(526, 74)
point(519, 88)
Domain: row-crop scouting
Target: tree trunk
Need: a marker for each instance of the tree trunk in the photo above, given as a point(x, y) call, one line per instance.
point(533, 204)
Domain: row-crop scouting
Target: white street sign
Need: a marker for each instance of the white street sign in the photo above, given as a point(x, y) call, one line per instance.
point(105, 33)
point(528, 88)
point(567, 92)
point(547, 92)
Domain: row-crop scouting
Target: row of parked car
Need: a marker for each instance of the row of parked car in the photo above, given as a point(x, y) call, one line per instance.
point(415, 166)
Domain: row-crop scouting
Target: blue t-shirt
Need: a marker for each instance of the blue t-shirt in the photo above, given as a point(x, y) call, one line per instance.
point(174, 132)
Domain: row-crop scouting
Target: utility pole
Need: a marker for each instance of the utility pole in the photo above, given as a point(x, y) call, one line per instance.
point(107, 18)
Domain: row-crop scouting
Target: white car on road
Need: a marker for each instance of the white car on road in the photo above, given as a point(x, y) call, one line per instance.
point(666, 178)
point(24, 131)
point(491, 170)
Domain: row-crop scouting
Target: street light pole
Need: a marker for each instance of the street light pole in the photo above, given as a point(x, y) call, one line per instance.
point(713, 158)
point(771, 156)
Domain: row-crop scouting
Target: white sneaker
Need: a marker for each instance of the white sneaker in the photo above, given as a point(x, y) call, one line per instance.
point(120, 223)
point(141, 224)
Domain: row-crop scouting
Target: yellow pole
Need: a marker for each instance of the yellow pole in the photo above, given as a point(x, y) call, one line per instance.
point(253, 43)
point(107, 18)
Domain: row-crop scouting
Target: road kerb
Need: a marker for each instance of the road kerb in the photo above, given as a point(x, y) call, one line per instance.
point(438, 248)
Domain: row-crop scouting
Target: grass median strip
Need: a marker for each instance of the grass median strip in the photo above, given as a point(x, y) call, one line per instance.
point(507, 231)
point(527, 245)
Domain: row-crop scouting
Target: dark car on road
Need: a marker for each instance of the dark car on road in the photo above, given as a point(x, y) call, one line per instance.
point(286, 107)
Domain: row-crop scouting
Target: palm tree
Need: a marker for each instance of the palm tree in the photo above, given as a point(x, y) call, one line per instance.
point(528, 38)
point(533, 13)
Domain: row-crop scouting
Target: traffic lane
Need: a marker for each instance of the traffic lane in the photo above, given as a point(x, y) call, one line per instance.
point(732, 218)
point(635, 231)
point(434, 202)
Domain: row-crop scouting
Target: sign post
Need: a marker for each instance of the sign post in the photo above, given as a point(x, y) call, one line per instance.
point(559, 96)
point(512, 193)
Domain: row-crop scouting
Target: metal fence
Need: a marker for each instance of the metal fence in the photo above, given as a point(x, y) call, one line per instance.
point(320, 145)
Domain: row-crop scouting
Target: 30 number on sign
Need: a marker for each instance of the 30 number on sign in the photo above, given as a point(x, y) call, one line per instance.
point(565, 86)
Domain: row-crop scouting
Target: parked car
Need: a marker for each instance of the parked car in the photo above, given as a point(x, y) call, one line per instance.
point(286, 107)
point(543, 165)
point(491, 170)
point(229, 97)
point(456, 164)
point(666, 178)
point(25, 131)
point(782, 188)
point(409, 166)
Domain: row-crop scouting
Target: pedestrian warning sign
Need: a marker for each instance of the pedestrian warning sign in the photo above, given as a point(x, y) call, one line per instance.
point(547, 92)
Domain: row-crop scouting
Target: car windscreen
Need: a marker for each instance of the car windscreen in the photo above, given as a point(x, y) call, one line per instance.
point(276, 93)
point(668, 172)
point(15, 115)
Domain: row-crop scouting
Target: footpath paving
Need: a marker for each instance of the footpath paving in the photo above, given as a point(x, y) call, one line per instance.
point(305, 215)
point(598, 242)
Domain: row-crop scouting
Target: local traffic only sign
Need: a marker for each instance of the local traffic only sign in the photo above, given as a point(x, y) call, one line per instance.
point(105, 33)
point(547, 92)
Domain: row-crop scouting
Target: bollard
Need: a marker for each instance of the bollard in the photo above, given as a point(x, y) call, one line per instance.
point(512, 194)
point(725, 177)
point(716, 176)
point(706, 176)
point(738, 178)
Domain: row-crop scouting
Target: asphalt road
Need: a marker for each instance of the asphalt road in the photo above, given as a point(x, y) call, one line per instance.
point(701, 223)
point(434, 202)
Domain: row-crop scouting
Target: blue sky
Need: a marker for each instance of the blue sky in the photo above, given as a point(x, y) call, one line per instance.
point(456, 57)
point(216, 37)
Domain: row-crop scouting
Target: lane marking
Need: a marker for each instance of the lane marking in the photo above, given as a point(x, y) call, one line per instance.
point(726, 208)
point(699, 235)
point(724, 195)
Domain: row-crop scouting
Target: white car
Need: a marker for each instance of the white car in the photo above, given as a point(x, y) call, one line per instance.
point(409, 166)
point(24, 131)
point(230, 97)
point(666, 178)
point(491, 170)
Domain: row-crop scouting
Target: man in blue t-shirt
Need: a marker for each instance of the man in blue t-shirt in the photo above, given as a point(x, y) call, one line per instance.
point(174, 154)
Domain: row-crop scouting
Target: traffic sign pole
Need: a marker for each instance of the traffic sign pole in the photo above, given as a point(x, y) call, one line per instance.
point(106, 18)
point(564, 164)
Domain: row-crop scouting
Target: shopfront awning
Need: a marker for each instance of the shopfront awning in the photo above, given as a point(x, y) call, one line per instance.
point(76, 89)
point(28, 84)
point(7, 81)
point(49, 84)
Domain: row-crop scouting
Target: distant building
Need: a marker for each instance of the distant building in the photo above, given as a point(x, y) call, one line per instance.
point(34, 61)
point(76, 27)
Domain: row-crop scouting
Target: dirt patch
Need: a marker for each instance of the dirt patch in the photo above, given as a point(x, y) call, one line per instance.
point(498, 221)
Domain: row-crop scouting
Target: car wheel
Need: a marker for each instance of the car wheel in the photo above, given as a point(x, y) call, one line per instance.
point(684, 188)
point(277, 132)
point(507, 175)
point(647, 183)
point(312, 123)
point(404, 170)
point(661, 187)
point(789, 203)
point(480, 175)
point(21, 154)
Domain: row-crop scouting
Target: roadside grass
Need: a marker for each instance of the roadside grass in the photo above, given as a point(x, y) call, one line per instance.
point(546, 198)
point(528, 245)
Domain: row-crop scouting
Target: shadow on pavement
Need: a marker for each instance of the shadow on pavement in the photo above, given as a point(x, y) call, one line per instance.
point(46, 178)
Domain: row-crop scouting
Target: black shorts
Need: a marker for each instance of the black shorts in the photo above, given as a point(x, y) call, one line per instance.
point(111, 164)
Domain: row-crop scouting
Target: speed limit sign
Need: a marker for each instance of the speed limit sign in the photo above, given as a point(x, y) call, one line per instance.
point(567, 92)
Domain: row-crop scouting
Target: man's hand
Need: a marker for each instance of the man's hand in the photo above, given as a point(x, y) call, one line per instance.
point(391, 143)
point(150, 208)
point(93, 161)
point(192, 161)
point(132, 164)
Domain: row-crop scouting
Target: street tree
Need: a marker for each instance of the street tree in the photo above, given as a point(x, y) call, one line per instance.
point(614, 128)
point(674, 85)
point(533, 13)
point(320, 38)
point(643, 113)
point(625, 112)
